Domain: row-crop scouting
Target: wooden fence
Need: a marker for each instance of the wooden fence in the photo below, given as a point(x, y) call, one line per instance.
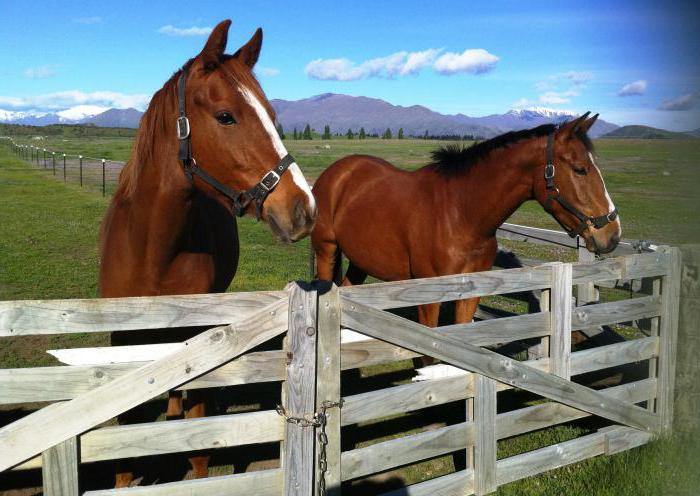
point(65, 437)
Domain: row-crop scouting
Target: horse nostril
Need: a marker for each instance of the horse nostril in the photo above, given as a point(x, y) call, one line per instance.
point(300, 214)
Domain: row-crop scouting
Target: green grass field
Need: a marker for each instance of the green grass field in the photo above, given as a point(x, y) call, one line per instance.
point(48, 239)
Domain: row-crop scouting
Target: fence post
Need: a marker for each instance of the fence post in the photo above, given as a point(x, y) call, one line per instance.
point(44, 158)
point(328, 386)
point(670, 300)
point(586, 292)
point(53, 161)
point(64, 167)
point(300, 391)
point(80, 158)
point(485, 435)
point(560, 321)
point(59, 469)
point(103, 177)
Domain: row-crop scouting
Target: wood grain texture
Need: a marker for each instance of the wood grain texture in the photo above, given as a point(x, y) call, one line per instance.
point(615, 312)
point(404, 450)
point(26, 317)
point(60, 469)
point(668, 336)
point(456, 484)
point(401, 332)
point(385, 455)
point(485, 435)
point(328, 385)
point(560, 321)
point(405, 398)
point(586, 292)
point(300, 392)
point(476, 284)
point(499, 331)
point(175, 436)
point(262, 483)
point(202, 353)
point(619, 438)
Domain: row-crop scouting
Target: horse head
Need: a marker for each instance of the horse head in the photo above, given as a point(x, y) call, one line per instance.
point(572, 187)
point(233, 140)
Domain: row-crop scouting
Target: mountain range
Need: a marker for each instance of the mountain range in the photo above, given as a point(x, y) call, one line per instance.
point(340, 112)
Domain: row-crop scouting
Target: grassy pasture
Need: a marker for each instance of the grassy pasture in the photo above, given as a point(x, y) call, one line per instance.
point(48, 237)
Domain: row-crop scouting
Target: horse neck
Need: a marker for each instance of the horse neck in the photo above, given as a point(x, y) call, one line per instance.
point(495, 187)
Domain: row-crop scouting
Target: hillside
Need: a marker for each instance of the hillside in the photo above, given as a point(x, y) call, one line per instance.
point(645, 132)
point(65, 130)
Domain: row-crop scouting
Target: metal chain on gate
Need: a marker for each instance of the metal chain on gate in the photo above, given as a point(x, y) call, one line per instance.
point(319, 419)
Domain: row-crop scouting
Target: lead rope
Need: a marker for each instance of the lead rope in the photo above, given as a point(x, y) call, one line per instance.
point(319, 419)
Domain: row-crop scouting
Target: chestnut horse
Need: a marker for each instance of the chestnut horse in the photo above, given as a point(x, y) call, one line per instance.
point(442, 219)
point(171, 226)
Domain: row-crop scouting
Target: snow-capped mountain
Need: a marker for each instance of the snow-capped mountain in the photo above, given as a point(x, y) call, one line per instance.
point(340, 112)
point(80, 112)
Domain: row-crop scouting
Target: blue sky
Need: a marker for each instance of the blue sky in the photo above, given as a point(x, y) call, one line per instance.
point(634, 62)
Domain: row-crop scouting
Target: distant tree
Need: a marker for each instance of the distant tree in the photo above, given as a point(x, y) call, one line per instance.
point(326, 132)
point(387, 134)
point(362, 133)
point(307, 132)
point(296, 136)
point(425, 136)
point(350, 134)
point(400, 136)
point(280, 131)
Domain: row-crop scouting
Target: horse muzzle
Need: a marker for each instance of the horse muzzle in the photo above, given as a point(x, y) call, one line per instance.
point(291, 225)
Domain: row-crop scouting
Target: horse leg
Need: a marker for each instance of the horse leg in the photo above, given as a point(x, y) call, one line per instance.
point(354, 276)
point(197, 408)
point(174, 405)
point(465, 310)
point(428, 315)
point(328, 261)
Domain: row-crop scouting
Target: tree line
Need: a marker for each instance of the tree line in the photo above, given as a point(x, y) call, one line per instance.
point(308, 134)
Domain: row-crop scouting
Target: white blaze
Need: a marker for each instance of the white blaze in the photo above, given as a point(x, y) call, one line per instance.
point(611, 205)
point(297, 175)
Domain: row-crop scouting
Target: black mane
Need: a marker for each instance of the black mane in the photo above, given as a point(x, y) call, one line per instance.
point(451, 160)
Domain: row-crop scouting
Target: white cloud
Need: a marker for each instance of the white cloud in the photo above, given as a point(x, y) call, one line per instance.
point(171, 30)
point(88, 20)
point(473, 61)
point(397, 64)
point(554, 98)
point(635, 88)
point(40, 72)
point(70, 98)
point(576, 77)
point(268, 71)
point(685, 102)
point(521, 103)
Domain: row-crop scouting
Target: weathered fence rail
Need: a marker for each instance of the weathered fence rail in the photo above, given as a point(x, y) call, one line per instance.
point(69, 434)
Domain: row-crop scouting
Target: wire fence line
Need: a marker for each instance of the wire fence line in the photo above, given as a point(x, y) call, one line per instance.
point(90, 172)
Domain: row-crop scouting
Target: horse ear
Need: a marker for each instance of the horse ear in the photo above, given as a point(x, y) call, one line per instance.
point(571, 127)
point(584, 126)
point(216, 44)
point(249, 53)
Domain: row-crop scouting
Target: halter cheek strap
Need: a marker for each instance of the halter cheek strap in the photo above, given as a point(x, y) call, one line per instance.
point(585, 221)
point(240, 199)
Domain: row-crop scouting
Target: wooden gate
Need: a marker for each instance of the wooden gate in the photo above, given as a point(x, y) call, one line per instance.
point(67, 433)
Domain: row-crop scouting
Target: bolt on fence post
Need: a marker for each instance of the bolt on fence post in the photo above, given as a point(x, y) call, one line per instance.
point(80, 158)
point(53, 161)
point(103, 177)
point(64, 167)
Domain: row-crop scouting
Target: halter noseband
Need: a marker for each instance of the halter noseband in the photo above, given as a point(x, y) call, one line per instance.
point(241, 199)
point(585, 221)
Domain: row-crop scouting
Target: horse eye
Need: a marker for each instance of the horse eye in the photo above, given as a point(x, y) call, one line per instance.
point(580, 171)
point(225, 118)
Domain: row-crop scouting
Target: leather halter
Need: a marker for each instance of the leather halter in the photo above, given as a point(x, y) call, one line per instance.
point(241, 199)
point(585, 221)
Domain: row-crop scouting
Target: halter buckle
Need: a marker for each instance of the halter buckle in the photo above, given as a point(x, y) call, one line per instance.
point(549, 171)
point(183, 127)
point(269, 181)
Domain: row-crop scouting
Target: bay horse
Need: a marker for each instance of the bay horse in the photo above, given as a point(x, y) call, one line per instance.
point(206, 151)
point(442, 219)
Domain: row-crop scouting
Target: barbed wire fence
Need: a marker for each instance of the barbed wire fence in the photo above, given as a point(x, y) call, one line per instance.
point(98, 174)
